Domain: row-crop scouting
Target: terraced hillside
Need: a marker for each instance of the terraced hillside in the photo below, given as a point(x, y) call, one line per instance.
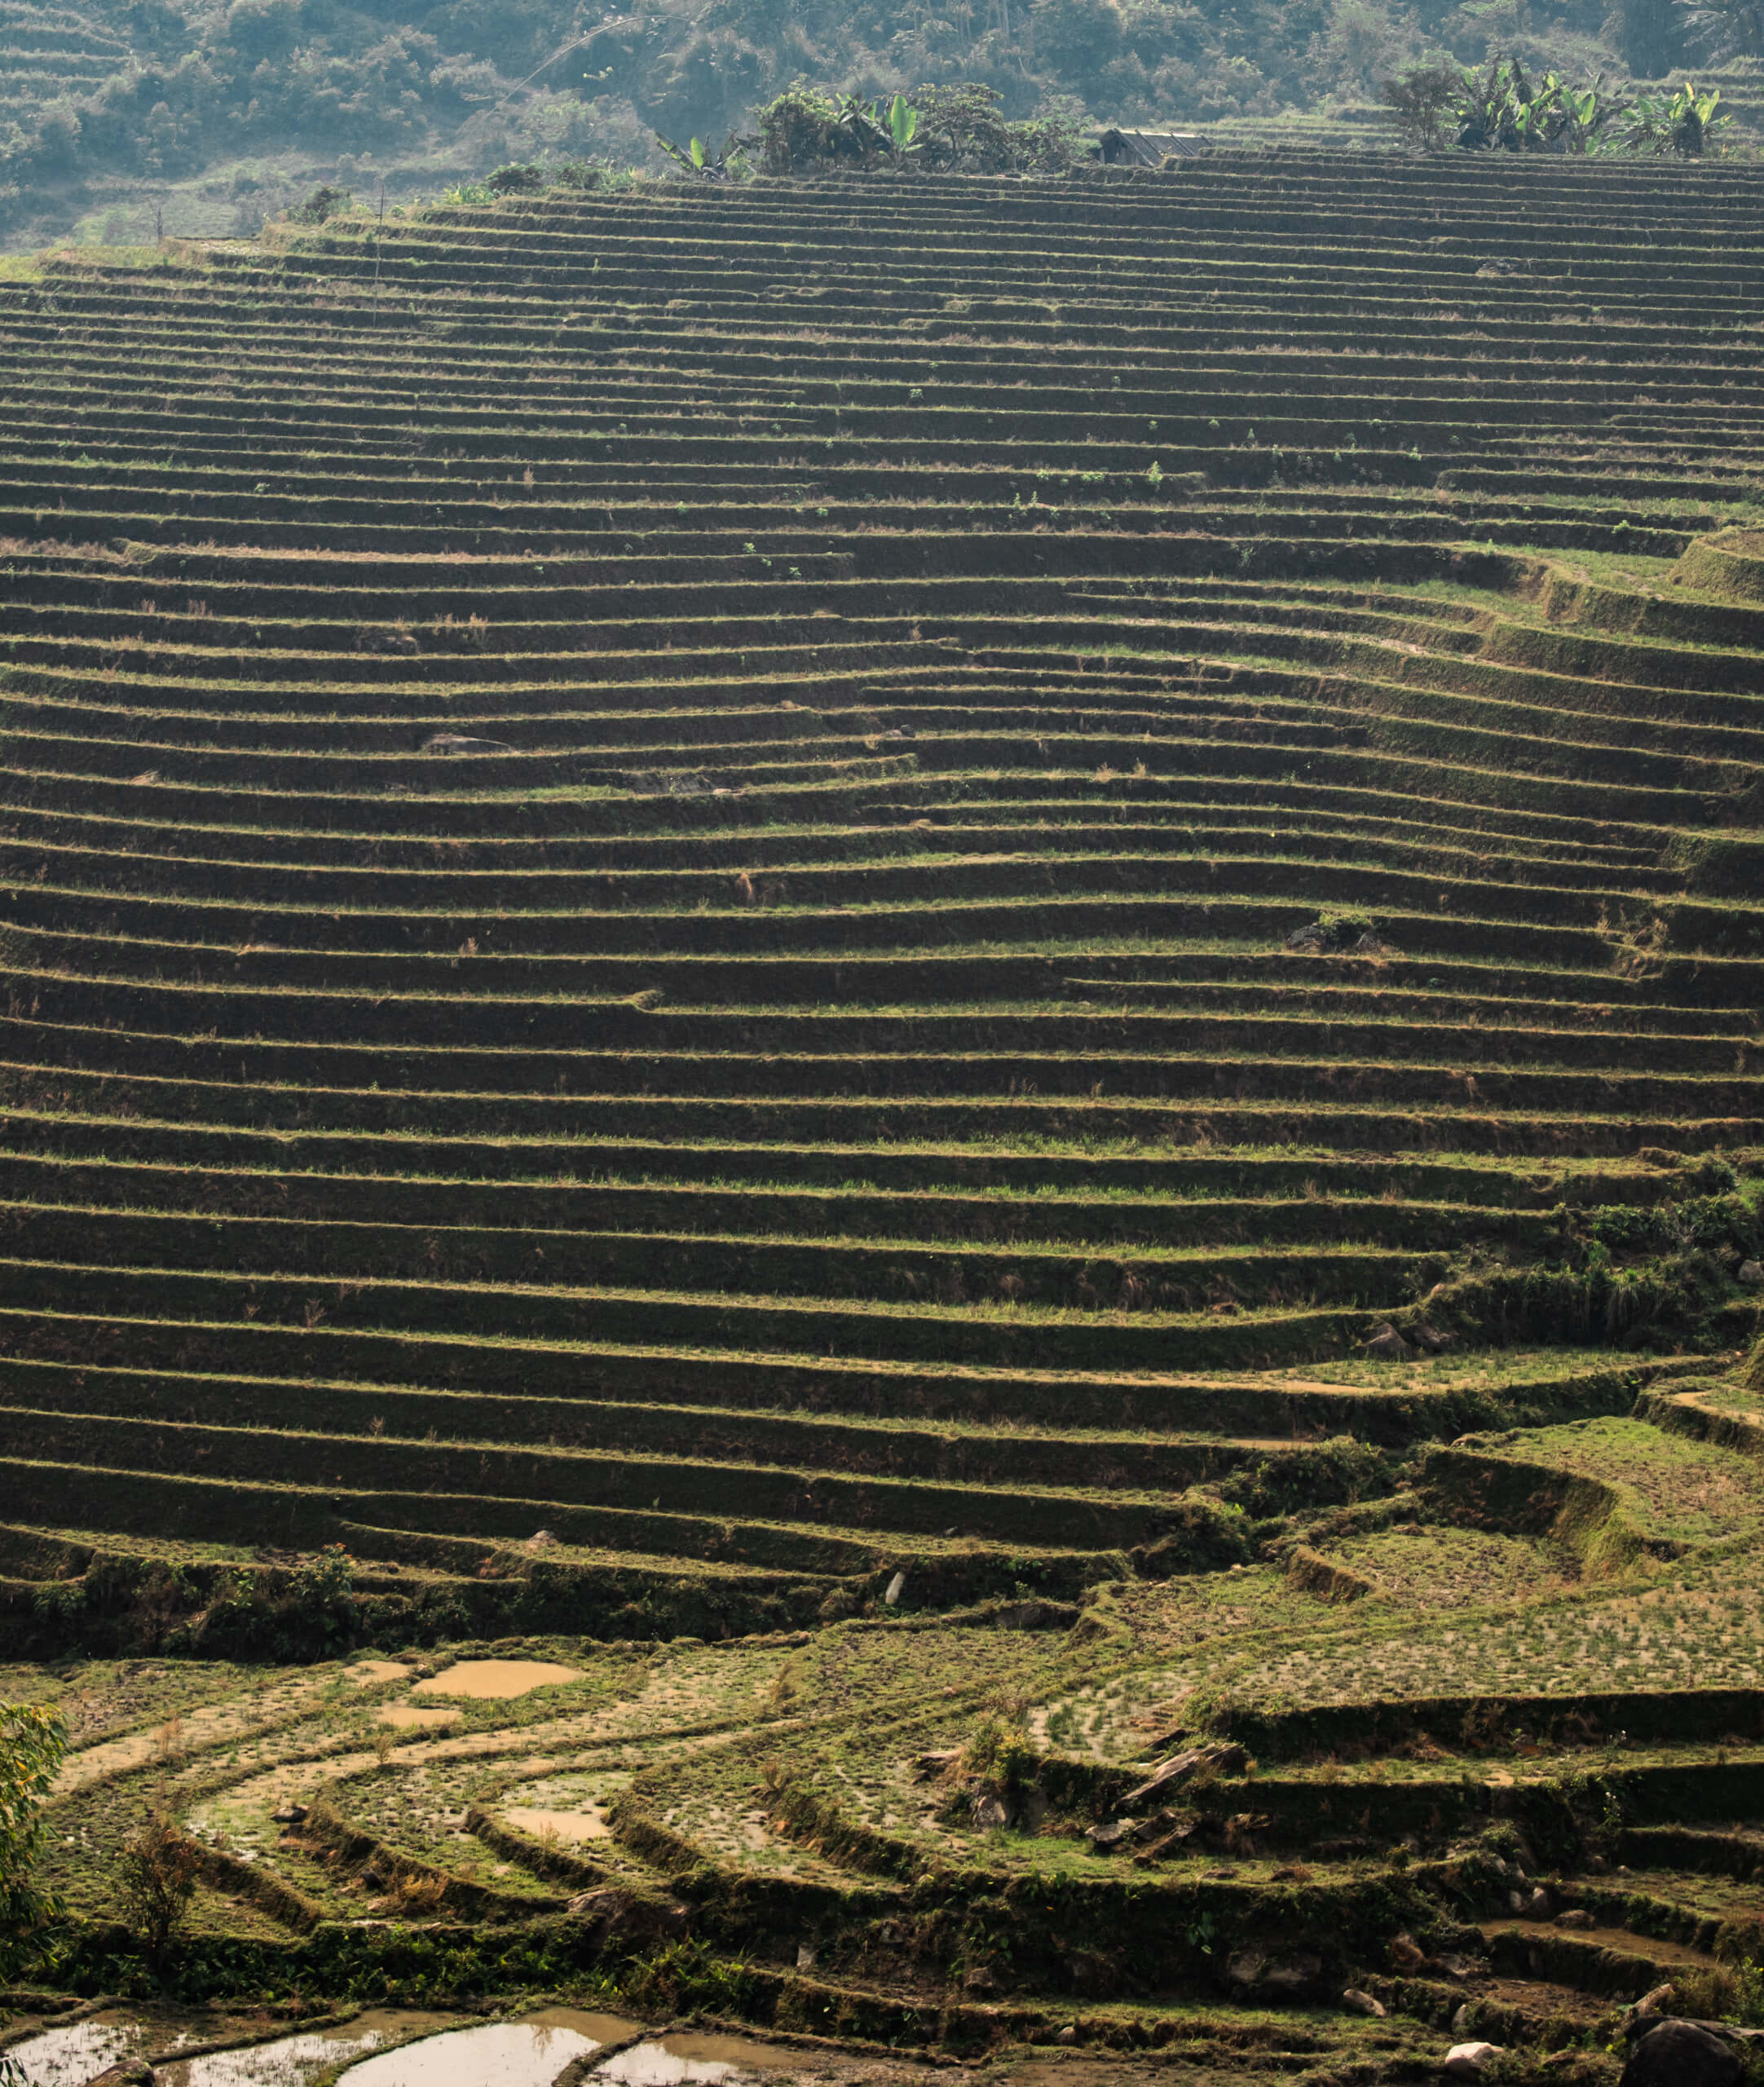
point(727, 910)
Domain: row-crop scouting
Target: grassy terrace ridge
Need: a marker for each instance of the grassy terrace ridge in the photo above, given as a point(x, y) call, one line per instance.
point(958, 980)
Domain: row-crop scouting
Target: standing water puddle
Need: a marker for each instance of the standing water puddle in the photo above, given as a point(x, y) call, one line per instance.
point(530, 2053)
point(706, 2061)
point(70, 2057)
point(292, 2061)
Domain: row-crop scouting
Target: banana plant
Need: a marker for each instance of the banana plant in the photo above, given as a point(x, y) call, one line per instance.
point(902, 122)
point(1684, 123)
point(693, 159)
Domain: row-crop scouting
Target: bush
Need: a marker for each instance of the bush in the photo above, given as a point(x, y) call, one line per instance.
point(321, 205)
point(158, 1874)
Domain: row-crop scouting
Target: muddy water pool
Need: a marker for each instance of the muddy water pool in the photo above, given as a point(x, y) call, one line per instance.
point(530, 2053)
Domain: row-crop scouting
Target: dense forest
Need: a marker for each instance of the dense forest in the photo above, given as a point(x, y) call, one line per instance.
point(241, 103)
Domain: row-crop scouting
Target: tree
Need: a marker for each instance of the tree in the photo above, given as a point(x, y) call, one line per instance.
point(1650, 35)
point(1722, 30)
point(33, 1740)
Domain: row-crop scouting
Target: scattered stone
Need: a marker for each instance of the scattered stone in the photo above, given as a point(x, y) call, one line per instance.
point(1539, 1905)
point(1575, 1917)
point(1470, 2060)
point(1171, 1775)
point(1681, 2054)
point(290, 1815)
point(1752, 1274)
point(1313, 937)
point(1104, 1838)
point(896, 1586)
point(1356, 2002)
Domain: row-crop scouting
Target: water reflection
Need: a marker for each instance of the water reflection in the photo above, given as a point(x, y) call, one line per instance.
point(531, 2052)
point(674, 2060)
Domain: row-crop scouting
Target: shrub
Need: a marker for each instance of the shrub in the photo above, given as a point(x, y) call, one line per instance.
point(158, 1874)
point(323, 203)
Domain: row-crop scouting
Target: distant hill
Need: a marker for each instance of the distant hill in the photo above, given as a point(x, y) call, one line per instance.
point(121, 117)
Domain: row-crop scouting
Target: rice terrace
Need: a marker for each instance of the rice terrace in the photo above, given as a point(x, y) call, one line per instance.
point(882, 1155)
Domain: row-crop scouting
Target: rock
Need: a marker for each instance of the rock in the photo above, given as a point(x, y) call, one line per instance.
point(1404, 1956)
point(1681, 2054)
point(1387, 1345)
point(1429, 1338)
point(805, 1955)
point(1517, 1902)
point(1254, 1970)
point(1470, 2061)
point(1641, 2015)
point(1539, 1905)
point(980, 1979)
point(1354, 2001)
point(290, 1815)
point(1171, 1774)
point(131, 2072)
point(895, 1587)
point(1036, 1615)
point(990, 1812)
point(446, 743)
point(1315, 937)
point(1456, 1967)
point(1464, 2021)
point(1068, 2035)
point(1103, 1838)
point(1575, 1917)
point(937, 1762)
point(1369, 945)
point(1752, 1275)
point(616, 1913)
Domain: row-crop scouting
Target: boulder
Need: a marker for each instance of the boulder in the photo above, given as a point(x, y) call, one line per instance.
point(617, 1914)
point(1681, 2054)
point(1752, 1274)
point(1575, 1917)
point(1354, 2001)
point(1254, 1971)
point(1103, 1838)
point(1539, 1905)
point(1470, 2061)
point(990, 1812)
point(1387, 1345)
point(1404, 1954)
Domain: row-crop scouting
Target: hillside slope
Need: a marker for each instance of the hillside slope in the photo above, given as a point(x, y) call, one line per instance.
point(1006, 928)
